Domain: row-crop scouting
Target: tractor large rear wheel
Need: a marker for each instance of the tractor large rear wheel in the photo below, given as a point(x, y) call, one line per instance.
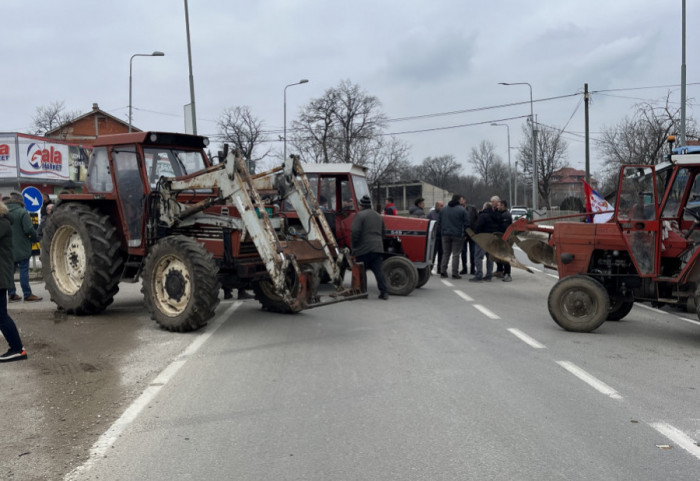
point(180, 285)
point(81, 259)
point(579, 303)
point(619, 308)
point(400, 274)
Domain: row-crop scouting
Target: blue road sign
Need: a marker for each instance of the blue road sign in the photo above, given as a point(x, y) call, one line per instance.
point(32, 199)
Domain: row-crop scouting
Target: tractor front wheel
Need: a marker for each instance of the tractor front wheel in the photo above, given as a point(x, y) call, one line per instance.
point(619, 308)
point(180, 285)
point(400, 274)
point(579, 303)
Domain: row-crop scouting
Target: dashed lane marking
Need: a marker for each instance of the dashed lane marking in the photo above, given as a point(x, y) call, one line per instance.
point(589, 379)
point(486, 312)
point(463, 296)
point(447, 283)
point(532, 342)
point(678, 437)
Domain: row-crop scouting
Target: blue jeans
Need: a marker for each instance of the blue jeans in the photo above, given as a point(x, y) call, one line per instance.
point(7, 325)
point(23, 279)
point(479, 258)
point(373, 262)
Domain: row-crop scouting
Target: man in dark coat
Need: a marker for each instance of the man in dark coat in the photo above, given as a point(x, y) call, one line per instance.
point(488, 222)
point(503, 269)
point(23, 235)
point(367, 237)
point(7, 274)
point(453, 222)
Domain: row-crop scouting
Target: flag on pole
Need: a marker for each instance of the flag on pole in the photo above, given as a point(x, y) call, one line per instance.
point(596, 203)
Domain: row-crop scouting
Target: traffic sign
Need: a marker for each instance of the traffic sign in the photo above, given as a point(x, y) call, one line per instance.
point(33, 199)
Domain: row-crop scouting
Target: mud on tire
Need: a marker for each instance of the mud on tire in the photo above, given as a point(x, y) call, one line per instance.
point(81, 259)
point(579, 303)
point(400, 274)
point(180, 285)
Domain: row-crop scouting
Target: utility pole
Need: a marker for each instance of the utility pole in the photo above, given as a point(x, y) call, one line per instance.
point(586, 100)
point(683, 78)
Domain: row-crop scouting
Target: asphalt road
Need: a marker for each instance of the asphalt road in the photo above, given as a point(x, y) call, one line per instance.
point(457, 381)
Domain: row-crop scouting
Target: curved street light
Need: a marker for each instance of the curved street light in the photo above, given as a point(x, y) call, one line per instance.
point(534, 145)
point(510, 173)
point(302, 81)
point(154, 54)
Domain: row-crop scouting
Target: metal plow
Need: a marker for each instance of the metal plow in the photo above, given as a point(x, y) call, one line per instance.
point(537, 250)
point(497, 248)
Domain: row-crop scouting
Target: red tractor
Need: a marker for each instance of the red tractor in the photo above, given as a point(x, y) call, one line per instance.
point(154, 207)
point(647, 251)
point(409, 242)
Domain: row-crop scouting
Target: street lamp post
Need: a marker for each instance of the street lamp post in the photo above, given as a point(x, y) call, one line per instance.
point(154, 54)
point(515, 181)
point(510, 173)
point(534, 144)
point(302, 81)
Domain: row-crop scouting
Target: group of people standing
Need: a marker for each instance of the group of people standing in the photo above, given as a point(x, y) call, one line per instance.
point(453, 241)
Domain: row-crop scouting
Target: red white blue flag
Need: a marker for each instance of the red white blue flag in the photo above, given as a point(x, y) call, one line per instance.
point(596, 203)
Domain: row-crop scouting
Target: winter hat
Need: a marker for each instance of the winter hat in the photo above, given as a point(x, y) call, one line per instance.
point(365, 202)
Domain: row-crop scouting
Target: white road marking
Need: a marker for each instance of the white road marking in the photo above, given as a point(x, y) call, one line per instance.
point(688, 320)
point(556, 276)
point(532, 342)
point(99, 449)
point(649, 308)
point(678, 437)
point(659, 311)
point(463, 296)
point(447, 283)
point(592, 381)
point(535, 269)
point(486, 312)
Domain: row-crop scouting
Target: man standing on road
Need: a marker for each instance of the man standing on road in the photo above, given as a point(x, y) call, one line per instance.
point(367, 236)
point(506, 220)
point(434, 214)
point(453, 222)
point(488, 221)
point(23, 235)
point(7, 274)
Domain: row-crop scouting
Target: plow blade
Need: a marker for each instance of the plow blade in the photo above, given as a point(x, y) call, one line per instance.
point(539, 252)
point(498, 249)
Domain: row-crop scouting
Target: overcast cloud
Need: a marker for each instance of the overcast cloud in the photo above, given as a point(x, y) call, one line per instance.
point(417, 57)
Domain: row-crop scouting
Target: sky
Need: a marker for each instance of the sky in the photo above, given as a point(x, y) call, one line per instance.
point(434, 65)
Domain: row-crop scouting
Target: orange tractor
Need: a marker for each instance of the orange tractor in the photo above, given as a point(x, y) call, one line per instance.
point(646, 252)
point(154, 207)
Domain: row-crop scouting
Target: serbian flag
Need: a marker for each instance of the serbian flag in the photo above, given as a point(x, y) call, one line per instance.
point(596, 203)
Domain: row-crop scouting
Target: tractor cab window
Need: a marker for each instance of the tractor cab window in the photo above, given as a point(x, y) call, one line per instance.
point(99, 177)
point(636, 195)
point(327, 196)
point(693, 199)
point(167, 162)
point(131, 191)
point(675, 194)
point(346, 195)
point(361, 187)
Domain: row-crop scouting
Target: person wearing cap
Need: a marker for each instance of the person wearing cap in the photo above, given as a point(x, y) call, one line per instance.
point(7, 272)
point(23, 236)
point(367, 240)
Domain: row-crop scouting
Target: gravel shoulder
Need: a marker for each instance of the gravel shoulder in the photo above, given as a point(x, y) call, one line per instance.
point(82, 373)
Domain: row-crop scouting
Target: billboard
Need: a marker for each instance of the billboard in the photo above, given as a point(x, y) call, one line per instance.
point(39, 159)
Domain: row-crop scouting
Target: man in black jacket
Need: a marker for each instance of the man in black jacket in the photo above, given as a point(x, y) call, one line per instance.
point(489, 221)
point(453, 222)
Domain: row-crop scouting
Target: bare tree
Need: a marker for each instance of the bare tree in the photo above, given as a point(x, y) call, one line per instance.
point(50, 117)
point(440, 171)
point(641, 139)
point(552, 151)
point(340, 126)
point(484, 158)
point(241, 128)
